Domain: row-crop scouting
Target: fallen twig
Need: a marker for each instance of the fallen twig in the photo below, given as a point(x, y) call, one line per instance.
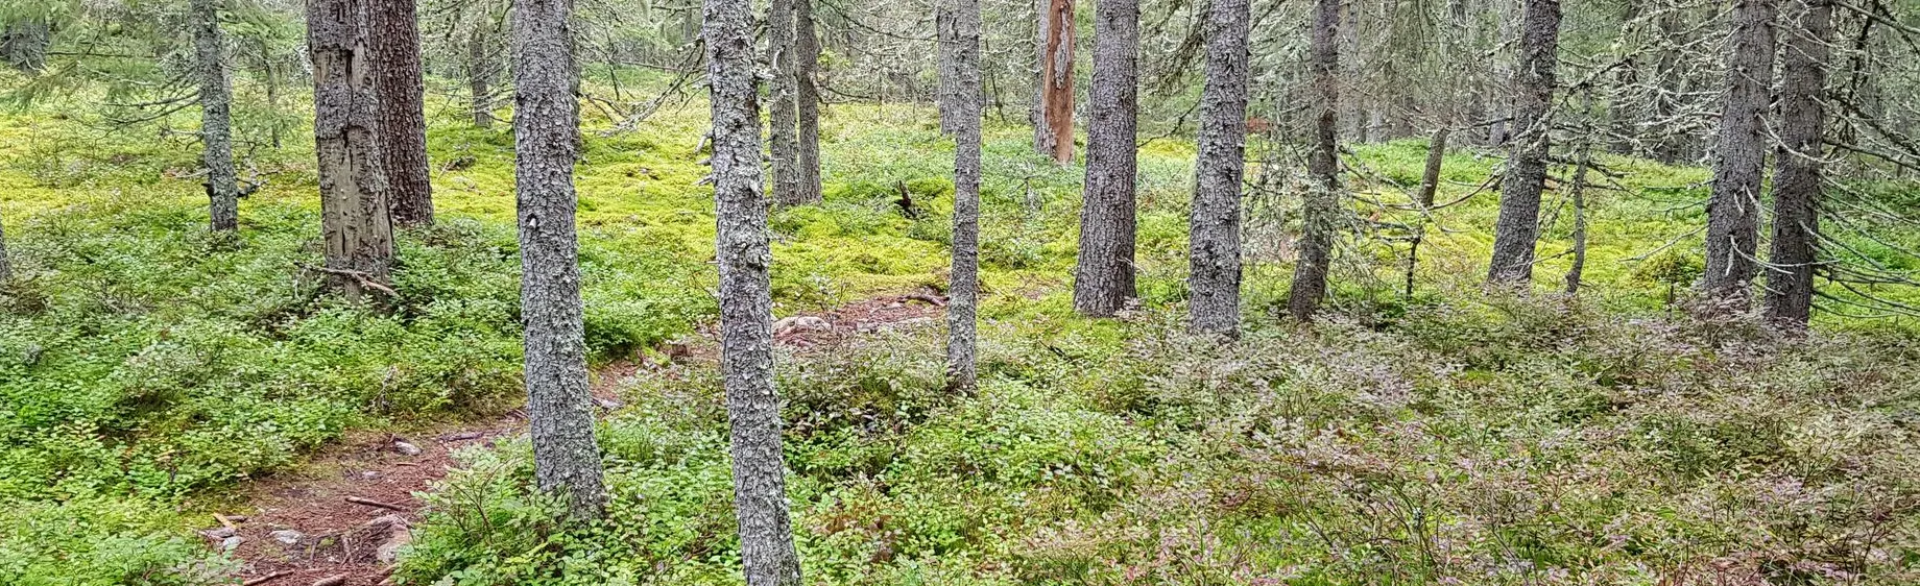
point(373, 503)
point(265, 579)
point(339, 580)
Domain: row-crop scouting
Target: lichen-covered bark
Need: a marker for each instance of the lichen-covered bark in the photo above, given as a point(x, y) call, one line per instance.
point(1796, 184)
point(967, 104)
point(480, 70)
point(782, 108)
point(1518, 228)
point(746, 300)
point(403, 127)
point(1214, 228)
point(545, 126)
point(1321, 208)
point(216, 119)
point(1740, 158)
point(1103, 279)
point(1053, 106)
point(806, 59)
point(356, 220)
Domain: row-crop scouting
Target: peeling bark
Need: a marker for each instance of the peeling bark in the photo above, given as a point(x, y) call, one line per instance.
point(1053, 106)
point(354, 207)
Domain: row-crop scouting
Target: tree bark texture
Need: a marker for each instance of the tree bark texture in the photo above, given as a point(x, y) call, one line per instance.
point(480, 72)
point(356, 219)
point(964, 287)
point(1796, 183)
point(782, 109)
point(806, 56)
point(403, 126)
point(6, 265)
point(1429, 186)
point(216, 118)
point(1740, 158)
point(1103, 278)
point(746, 301)
point(1214, 226)
point(1053, 107)
point(1518, 228)
point(1321, 209)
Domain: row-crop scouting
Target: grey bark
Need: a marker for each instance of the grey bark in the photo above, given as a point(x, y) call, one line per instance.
point(216, 119)
point(946, 64)
point(480, 71)
point(1740, 158)
point(1797, 182)
point(1103, 278)
point(1578, 195)
point(964, 288)
point(746, 301)
point(1053, 104)
point(6, 265)
point(1321, 208)
point(545, 128)
point(24, 45)
point(403, 127)
point(356, 219)
point(1214, 226)
point(1429, 186)
point(782, 108)
point(806, 55)
point(1518, 228)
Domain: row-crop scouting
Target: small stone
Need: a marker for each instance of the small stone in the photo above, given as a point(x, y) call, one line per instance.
point(608, 403)
point(369, 475)
point(230, 543)
point(800, 324)
point(288, 536)
point(390, 549)
point(406, 449)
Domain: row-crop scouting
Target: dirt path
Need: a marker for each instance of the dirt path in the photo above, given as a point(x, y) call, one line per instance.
point(336, 520)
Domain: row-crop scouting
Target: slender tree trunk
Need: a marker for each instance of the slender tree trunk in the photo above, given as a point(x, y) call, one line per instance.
point(966, 107)
point(1053, 108)
point(746, 301)
point(946, 38)
point(1429, 186)
point(223, 190)
point(1733, 212)
point(6, 266)
point(545, 129)
point(1796, 183)
point(480, 69)
point(1322, 206)
point(1578, 193)
point(1214, 230)
point(1103, 280)
point(357, 221)
point(24, 45)
point(782, 108)
point(403, 126)
point(806, 55)
point(1518, 228)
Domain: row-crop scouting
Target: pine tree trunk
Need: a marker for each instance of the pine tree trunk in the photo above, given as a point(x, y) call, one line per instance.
point(1518, 228)
point(357, 221)
point(782, 108)
point(480, 69)
point(1321, 209)
point(1103, 279)
point(1740, 158)
point(746, 301)
point(545, 128)
point(216, 120)
point(964, 289)
point(403, 127)
point(1796, 183)
point(1053, 107)
point(806, 55)
point(1214, 230)
point(24, 46)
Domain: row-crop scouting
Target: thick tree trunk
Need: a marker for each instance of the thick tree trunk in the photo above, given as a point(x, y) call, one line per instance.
point(1796, 184)
point(964, 289)
point(403, 132)
point(216, 120)
point(1053, 107)
point(1518, 228)
point(545, 127)
point(1322, 206)
point(357, 221)
point(24, 45)
point(782, 108)
point(806, 56)
point(1103, 279)
point(746, 301)
point(1740, 158)
point(1214, 227)
point(480, 71)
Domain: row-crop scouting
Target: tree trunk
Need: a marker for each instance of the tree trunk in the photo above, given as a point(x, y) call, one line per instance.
point(806, 55)
point(746, 302)
point(216, 136)
point(1733, 212)
point(1429, 186)
point(966, 107)
point(1053, 107)
point(1578, 194)
point(1322, 206)
point(545, 129)
point(355, 214)
point(782, 108)
point(403, 127)
point(1103, 279)
point(1214, 230)
point(6, 266)
point(24, 45)
point(946, 39)
point(480, 71)
point(1796, 183)
point(1518, 228)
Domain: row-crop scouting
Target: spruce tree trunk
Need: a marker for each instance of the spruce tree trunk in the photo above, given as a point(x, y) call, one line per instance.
point(746, 301)
point(1740, 157)
point(946, 38)
point(1321, 209)
point(782, 108)
point(1518, 228)
point(1429, 186)
point(216, 120)
point(480, 70)
point(24, 45)
point(356, 219)
point(403, 132)
point(1214, 227)
point(6, 265)
point(806, 59)
point(964, 287)
point(1796, 183)
point(1053, 106)
point(545, 129)
point(1103, 279)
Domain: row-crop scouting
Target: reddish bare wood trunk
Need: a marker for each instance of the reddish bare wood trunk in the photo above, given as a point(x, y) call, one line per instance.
point(1053, 112)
